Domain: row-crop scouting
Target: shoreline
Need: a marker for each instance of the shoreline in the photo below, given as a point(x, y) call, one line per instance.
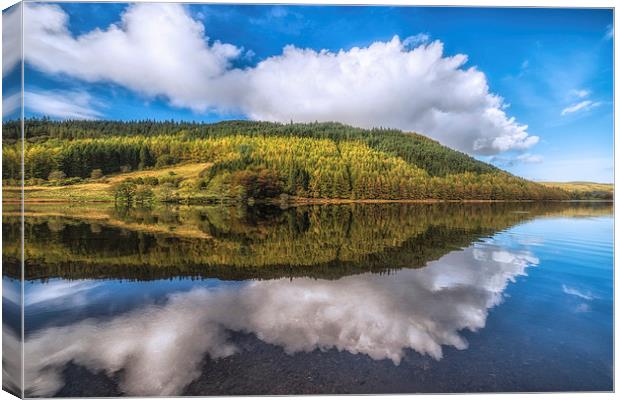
point(311, 201)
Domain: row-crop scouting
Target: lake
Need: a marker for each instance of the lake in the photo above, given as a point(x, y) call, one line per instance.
point(361, 298)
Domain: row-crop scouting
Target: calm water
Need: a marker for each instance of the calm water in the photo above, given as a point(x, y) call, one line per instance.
point(325, 299)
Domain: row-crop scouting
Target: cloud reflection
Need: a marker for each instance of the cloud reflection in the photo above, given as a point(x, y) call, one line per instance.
point(58, 291)
point(11, 359)
point(11, 332)
point(578, 293)
point(159, 347)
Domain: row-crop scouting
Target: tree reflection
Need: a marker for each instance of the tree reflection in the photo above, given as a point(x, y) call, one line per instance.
point(258, 242)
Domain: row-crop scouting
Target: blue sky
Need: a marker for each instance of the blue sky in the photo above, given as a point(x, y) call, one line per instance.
point(552, 69)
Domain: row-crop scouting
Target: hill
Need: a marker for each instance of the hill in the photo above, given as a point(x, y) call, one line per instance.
point(241, 160)
point(585, 190)
point(425, 153)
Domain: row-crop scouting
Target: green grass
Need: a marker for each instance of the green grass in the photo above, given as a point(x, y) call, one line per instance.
point(99, 190)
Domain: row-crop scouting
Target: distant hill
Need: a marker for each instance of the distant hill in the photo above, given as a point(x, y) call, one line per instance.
point(585, 190)
point(253, 160)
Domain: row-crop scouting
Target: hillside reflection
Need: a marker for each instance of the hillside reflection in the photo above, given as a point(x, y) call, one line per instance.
point(238, 243)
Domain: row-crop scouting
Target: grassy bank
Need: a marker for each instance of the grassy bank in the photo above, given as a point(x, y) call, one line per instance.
point(181, 184)
point(184, 183)
point(98, 190)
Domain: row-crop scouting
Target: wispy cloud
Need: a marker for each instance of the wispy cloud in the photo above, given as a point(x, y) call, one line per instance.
point(525, 158)
point(582, 308)
point(581, 93)
point(62, 104)
point(278, 12)
point(609, 33)
point(577, 169)
point(530, 158)
point(281, 19)
point(581, 106)
point(416, 40)
point(72, 291)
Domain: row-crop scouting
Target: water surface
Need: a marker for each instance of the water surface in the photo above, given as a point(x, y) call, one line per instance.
point(322, 299)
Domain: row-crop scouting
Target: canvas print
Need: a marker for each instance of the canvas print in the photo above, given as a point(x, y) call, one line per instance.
point(235, 199)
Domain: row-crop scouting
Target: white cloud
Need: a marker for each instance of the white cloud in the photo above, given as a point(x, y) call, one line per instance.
point(11, 38)
point(157, 349)
point(61, 104)
point(11, 103)
point(160, 50)
point(384, 84)
point(581, 106)
point(155, 50)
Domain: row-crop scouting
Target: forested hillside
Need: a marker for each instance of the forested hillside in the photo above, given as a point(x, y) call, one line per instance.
point(244, 159)
point(413, 148)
